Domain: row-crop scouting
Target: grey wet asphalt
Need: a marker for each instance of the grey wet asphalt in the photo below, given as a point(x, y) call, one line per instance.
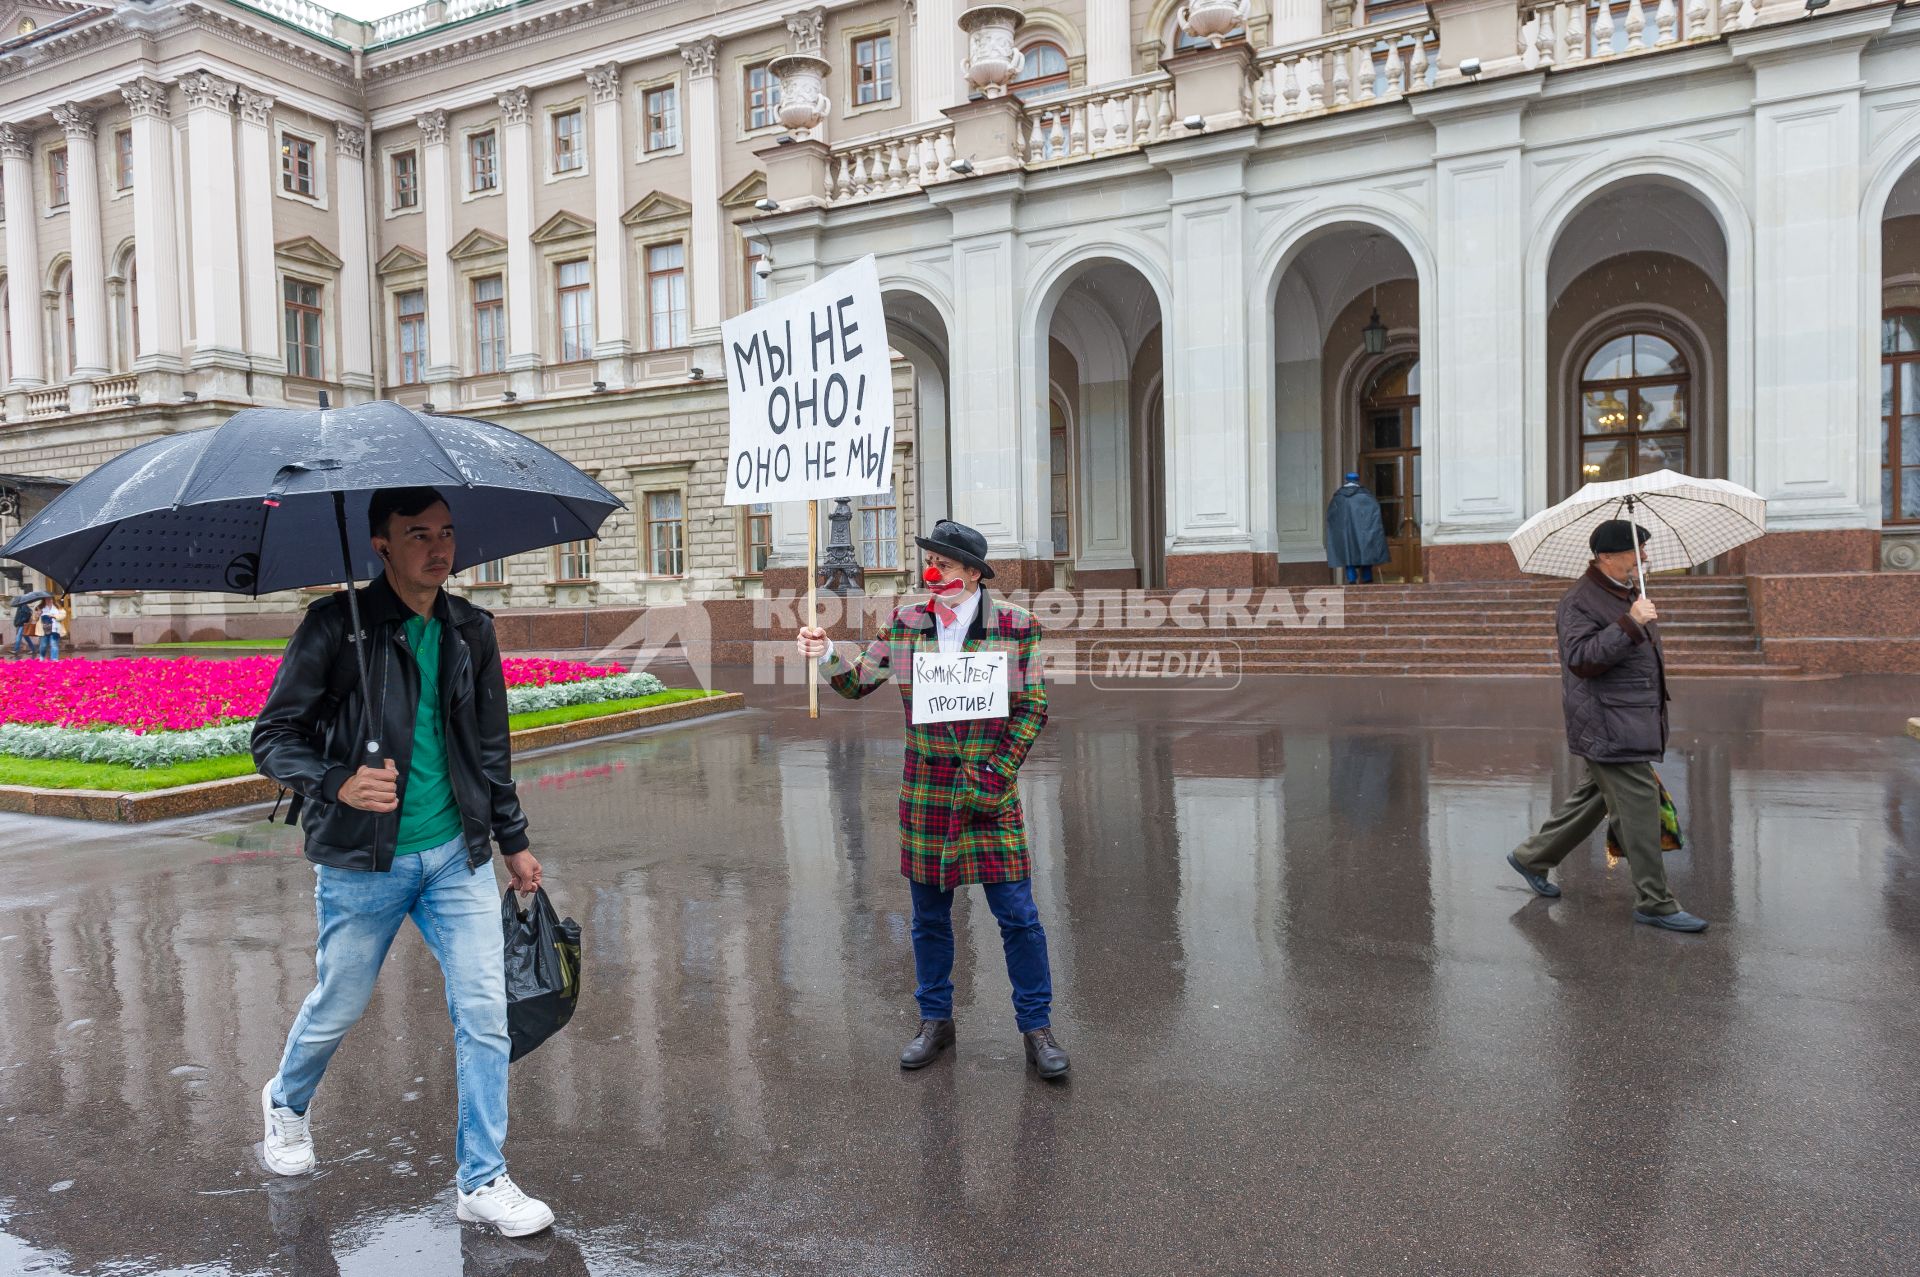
point(1317, 1025)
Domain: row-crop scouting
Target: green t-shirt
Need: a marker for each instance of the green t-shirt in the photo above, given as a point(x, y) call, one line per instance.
point(428, 814)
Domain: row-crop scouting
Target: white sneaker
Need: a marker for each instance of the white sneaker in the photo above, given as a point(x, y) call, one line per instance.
point(288, 1146)
point(503, 1207)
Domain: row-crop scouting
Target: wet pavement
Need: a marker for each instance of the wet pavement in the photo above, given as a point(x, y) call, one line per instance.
point(1317, 1025)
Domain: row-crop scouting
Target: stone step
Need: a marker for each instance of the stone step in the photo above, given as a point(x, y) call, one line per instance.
point(1341, 641)
point(1458, 668)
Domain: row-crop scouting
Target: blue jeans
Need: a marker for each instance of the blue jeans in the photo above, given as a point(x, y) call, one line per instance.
point(21, 636)
point(50, 646)
point(458, 913)
point(1021, 936)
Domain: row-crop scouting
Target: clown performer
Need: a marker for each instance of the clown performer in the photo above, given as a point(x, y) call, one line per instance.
point(960, 818)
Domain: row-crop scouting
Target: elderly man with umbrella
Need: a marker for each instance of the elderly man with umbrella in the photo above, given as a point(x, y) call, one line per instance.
point(1613, 675)
point(387, 718)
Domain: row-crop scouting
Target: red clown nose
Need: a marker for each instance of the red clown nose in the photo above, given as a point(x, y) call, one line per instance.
point(931, 576)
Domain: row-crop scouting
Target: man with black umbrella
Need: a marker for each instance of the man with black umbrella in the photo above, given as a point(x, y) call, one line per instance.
point(407, 838)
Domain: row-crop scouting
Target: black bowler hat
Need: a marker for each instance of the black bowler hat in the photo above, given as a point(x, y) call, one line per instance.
point(1615, 536)
point(959, 542)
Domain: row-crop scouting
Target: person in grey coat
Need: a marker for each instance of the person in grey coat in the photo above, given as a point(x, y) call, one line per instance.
point(1356, 537)
point(1613, 686)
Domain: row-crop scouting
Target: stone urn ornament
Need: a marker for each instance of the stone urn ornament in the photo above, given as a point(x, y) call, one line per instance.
point(1212, 20)
point(803, 96)
point(992, 61)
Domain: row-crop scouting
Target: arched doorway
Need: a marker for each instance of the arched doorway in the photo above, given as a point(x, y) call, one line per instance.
point(1103, 383)
point(1389, 463)
point(1639, 385)
point(1899, 359)
point(1346, 385)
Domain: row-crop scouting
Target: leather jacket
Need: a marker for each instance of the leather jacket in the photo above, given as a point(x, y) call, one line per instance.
point(1613, 680)
point(310, 736)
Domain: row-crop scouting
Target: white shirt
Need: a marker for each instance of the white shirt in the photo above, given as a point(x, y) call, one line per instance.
point(952, 637)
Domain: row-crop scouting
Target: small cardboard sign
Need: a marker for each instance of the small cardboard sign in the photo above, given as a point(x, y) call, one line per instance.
point(955, 687)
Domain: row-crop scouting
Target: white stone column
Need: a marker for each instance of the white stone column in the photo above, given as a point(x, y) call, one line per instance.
point(1109, 41)
point(610, 345)
point(1812, 453)
point(997, 413)
point(518, 178)
point(358, 321)
point(1477, 451)
point(1212, 453)
point(937, 50)
point(219, 345)
point(90, 357)
point(23, 259)
point(155, 232)
point(436, 197)
point(266, 349)
point(703, 142)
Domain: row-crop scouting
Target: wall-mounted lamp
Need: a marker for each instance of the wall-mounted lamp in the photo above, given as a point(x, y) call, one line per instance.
point(1194, 123)
point(766, 205)
point(962, 166)
point(1470, 68)
point(696, 373)
point(508, 396)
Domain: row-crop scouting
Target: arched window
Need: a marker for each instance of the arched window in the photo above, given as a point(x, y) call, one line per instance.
point(1045, 72)
point(66, 314)
point(1900, 417)
point(1634, 409)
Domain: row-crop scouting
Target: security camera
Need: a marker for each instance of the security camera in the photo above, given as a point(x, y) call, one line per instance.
point(1470, 67)
point(766, 205)
point(961, 166)
point(696, 373)
point(1194, 123)
point(763, 268)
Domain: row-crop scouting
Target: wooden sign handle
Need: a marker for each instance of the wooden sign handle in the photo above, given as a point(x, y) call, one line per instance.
point(813, 606)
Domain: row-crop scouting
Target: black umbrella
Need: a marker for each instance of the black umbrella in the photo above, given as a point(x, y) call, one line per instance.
point(31, 596)
point(265, 502)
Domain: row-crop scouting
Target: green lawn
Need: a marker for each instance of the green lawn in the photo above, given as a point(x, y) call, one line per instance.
point(60, 774)
point(260, 645)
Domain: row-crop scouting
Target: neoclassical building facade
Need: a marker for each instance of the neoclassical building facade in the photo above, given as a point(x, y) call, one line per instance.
point(1157, 275)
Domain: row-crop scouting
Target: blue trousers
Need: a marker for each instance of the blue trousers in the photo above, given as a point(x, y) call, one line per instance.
point(21, 636)
point(1021, 935)
point(458, 912)
point(50, 647)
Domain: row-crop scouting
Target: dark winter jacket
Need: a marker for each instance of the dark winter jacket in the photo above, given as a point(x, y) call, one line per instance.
point(310, 736)
point(1356, 537)
point(1613, 680)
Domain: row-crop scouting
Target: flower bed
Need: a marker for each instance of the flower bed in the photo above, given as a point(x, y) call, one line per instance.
point(153, 712)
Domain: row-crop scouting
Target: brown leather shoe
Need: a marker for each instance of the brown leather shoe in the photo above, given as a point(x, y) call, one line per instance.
point(1044, 1054)
point(934, 1037)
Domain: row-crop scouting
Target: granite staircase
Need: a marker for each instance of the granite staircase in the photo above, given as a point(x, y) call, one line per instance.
point(1467, 629)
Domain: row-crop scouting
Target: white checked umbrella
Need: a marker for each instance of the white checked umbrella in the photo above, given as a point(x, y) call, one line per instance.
point(1691, 520)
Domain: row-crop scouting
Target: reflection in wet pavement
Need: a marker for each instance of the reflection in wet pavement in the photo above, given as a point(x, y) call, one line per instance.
point(1317, 1025)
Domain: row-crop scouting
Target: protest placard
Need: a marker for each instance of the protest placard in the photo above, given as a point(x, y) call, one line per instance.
point(954, 687)
point(810, 393)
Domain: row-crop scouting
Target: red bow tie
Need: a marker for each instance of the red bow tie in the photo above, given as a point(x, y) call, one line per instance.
point(944, 614)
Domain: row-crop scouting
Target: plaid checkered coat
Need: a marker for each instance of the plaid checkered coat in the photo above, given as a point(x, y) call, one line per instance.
point(960, 818)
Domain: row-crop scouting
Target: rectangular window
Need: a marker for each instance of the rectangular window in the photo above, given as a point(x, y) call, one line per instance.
point(57, 177)
point(483, 161)
point(666, 534)
point(879, 530)
point(573, 561)
point(410, 323)
point(123, 160)
point(569, 141)
point(303, 329)
point(576, 310)
point(756, 282)
point(406, 179)
point(667, 295)
point(296, 164)
point(763, 97)
point(489, 325)
point(873, 70)
point(492, 572)
point(759, 538)
point(663, 117)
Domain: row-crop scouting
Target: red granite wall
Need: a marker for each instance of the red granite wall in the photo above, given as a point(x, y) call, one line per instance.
point(1840, 622)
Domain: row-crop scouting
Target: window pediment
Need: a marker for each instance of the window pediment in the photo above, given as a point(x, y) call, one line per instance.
point(398, 259)
point(752, 187)
point(563, 226)
point(656, 209)
point(308, 251)
point(476, 244)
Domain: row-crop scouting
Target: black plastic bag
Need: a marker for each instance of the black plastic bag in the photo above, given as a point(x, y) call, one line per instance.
point(543, 971)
